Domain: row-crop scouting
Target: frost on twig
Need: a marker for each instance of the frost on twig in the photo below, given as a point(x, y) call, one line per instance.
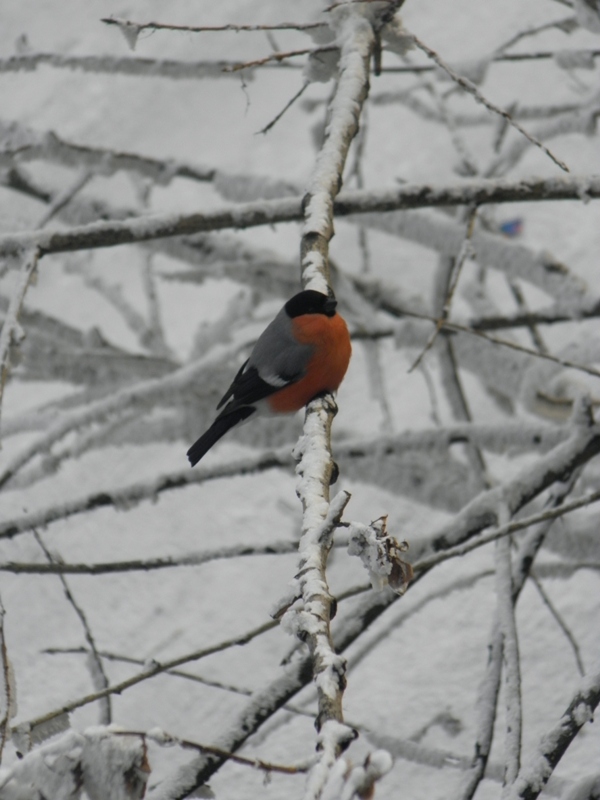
point(381, 555)
point(347, 781)
point(100, 760)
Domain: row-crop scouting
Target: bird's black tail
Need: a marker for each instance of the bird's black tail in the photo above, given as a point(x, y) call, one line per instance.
point(219, 428)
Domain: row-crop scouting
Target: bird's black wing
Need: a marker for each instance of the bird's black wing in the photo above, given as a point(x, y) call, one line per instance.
point(248, 388)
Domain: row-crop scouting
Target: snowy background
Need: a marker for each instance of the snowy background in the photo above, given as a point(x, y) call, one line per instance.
point(100, 320)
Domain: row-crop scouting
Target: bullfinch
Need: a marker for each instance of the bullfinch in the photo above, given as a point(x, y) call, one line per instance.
point(303, 352)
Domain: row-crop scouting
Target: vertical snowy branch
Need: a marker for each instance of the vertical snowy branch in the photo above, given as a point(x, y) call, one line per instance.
point(508, 627)
point(316, 467)
point(357, 40)
point(489, 688)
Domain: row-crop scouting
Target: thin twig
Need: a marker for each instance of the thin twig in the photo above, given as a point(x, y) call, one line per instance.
point(147, 565)
point(279, 57)
point(455, 326)
point(154, 668)
point(563, 24)
point(559, 621)
point(470, 87)
point(7, 699)
point(465, 252)
point(282, 26)
point(164, 738)
point(100, 675)
point(288, 105)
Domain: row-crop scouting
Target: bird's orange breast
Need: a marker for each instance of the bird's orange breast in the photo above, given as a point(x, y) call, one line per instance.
point(327, 366)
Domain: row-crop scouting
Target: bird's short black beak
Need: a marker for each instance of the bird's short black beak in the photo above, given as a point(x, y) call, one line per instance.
point(329, 306)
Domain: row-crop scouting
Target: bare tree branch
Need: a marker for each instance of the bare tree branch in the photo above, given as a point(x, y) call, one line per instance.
point(149, 564)
point(248, 215)
point(154, 668)
point(281, 26)
point(553, 745)
point(98, 672)
point(7, 686)
point(470, 87)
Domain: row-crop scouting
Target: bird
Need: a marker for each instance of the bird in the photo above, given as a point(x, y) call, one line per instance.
point(303, 352)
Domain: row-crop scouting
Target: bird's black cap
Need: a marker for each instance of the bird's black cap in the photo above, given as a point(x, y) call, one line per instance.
point(310, 302)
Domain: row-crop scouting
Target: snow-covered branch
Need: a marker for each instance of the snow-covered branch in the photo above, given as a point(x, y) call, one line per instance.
point(29, 728)
point(526, 484)
point(19, 143)
point(269, 212)
point(357, 41)
point(104, 761)
point(148, 564)
point(123, 65)
point(553, 745)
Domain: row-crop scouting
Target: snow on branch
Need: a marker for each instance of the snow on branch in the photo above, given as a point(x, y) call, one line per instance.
point(489, 688)
point(507, 624)
point(502, 531)
point(347, 781)
point(438, 232)
point(18, 143)
point(120, 401)
point(102, 761)
point(139, 67)
point(357, 40)
point(483, 511)
point(126, 497)
point(535, 774)
point(381, 555)
point(510, 437)
point(311, 622)
point(39, 728)
point(269, 212)
point(147, 565)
